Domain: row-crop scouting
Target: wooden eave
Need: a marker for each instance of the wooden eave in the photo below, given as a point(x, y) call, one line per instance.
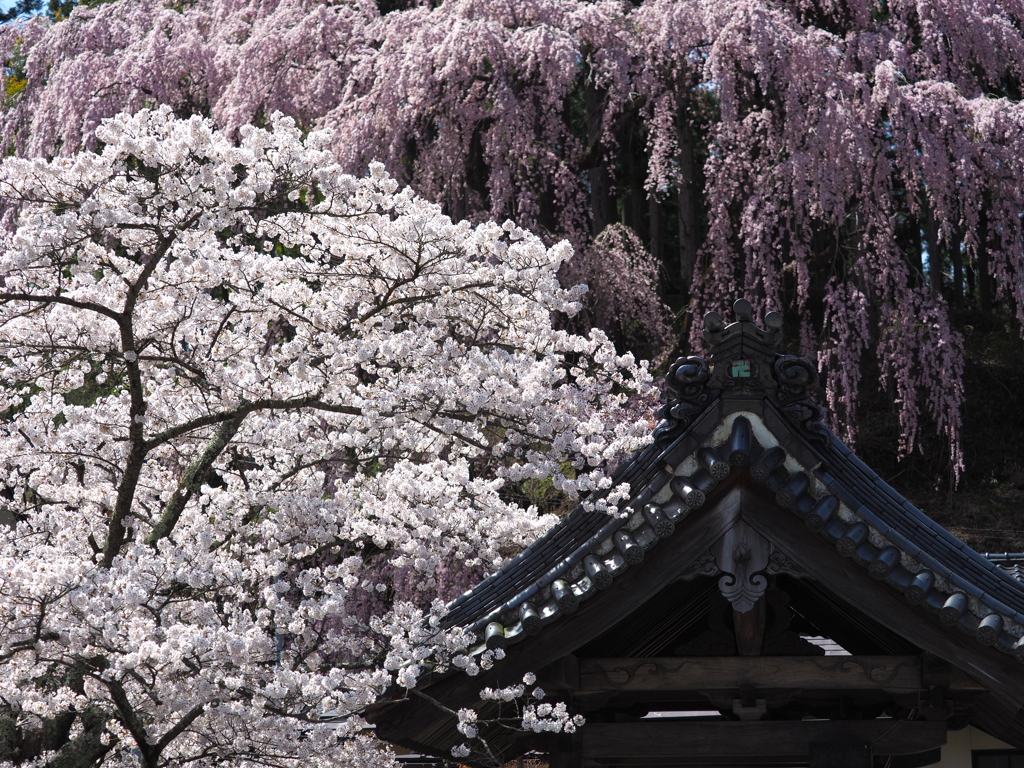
point(420, 725)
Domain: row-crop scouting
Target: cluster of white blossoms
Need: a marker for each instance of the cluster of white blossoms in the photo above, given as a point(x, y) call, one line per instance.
point(234, 381)
point(536, 717)
point(554, 718)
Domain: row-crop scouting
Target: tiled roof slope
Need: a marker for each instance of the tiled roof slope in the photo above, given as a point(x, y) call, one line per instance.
point(915, 533)
point(1016, 570)
point(1012, 563)
point(572, 537)
point(749, 408)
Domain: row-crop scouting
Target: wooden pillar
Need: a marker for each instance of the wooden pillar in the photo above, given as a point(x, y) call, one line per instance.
point(840, 754)
point(749, 628)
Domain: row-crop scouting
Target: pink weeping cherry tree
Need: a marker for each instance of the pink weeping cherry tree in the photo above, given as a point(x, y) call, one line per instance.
point(853, 162)
point(850, 161)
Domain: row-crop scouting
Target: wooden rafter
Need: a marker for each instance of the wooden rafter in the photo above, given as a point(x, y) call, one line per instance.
point(894, 674)
point(651, 739)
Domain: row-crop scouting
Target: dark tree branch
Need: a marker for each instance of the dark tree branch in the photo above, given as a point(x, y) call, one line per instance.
point(137, 440)
point(192, 478)
point(35, 298)
point(313, 402)
point(190, 717)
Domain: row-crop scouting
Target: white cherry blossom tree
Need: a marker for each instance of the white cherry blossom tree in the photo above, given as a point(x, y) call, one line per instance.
point(242, 394)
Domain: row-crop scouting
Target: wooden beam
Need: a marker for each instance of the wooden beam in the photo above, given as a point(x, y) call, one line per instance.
point(896, 674)
point(996, 671)
point(841, 754)
point(791, 739)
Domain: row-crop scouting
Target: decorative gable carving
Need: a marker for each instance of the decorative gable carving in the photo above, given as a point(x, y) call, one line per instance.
point(742, 555)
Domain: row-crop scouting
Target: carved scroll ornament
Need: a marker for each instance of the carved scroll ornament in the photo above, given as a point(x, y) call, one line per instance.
point(742, 555)
point(743, 358)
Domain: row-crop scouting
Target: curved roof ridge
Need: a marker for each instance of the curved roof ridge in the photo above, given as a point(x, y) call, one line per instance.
point(563, 544)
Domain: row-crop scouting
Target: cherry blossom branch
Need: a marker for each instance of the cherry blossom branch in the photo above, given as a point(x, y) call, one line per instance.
point(43, 299)
point(192, 477)
point(311, 402)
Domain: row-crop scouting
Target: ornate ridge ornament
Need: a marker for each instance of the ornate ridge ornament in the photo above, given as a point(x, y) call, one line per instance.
point(705, 565)
point(743, 364)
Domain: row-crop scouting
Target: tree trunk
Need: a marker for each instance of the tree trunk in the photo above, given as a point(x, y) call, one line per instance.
point(984, 279)
point(957, 257)
point(687, 192)
point(602, 206)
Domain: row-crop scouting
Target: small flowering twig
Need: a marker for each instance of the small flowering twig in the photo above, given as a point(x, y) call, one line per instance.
point(530, 714)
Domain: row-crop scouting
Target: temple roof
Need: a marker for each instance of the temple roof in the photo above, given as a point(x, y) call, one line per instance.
point(749, 530)
point(748, 407)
